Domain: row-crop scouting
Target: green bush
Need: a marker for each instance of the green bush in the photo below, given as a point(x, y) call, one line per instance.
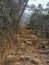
point(46, 16)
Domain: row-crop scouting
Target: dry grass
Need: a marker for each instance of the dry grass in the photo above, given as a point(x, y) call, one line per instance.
point(8, 41)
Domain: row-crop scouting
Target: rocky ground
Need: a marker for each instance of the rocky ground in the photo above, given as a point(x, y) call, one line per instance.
point(29, 50)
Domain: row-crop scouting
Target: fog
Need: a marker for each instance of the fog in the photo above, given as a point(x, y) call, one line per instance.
point(36, 2)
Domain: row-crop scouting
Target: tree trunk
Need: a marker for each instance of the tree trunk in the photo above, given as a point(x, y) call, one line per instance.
point(23, 10)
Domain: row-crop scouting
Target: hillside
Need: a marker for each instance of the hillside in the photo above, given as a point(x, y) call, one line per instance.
point(23, 48)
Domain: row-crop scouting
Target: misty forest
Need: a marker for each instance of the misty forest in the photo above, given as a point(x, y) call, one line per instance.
point(24, 32)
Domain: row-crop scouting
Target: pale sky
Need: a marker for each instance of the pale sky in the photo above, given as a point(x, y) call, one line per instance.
point(36, 2)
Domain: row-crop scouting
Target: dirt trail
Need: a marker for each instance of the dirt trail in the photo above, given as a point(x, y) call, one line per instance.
point(27, 50)
point(29, 54)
